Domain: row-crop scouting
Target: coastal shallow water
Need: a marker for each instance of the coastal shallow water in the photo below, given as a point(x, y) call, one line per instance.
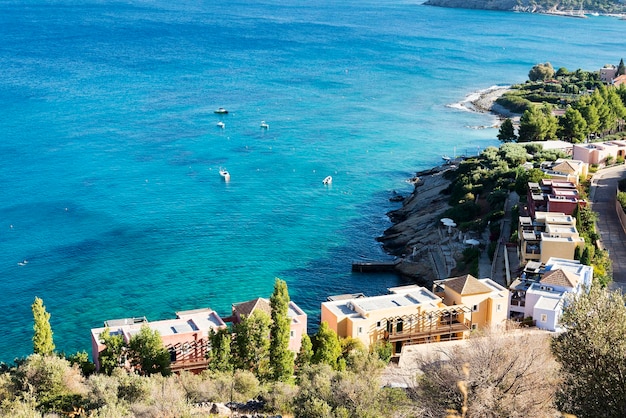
point(111, 204)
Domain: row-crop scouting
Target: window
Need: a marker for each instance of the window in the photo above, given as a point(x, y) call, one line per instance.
point(498, 307)
point(378, 324)
point(544, 318)
point(474, 326)
point(475, 308)
point(359, 331)
point(399, 325)
point(292, 334)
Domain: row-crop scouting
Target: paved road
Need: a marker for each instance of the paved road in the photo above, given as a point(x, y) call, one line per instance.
point(602, 195)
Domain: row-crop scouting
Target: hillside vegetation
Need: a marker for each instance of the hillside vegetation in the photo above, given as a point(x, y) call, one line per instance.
point(537, 6)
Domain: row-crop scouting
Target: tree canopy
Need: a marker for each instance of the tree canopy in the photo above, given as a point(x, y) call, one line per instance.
point(147, 352)
point(541, 72)
point(592, 355)
point(327, 346)
point(252, 344)
point(42, 337)
point(281, 358)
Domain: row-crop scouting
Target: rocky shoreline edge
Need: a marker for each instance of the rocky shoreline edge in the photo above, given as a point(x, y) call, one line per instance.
point(424, 250)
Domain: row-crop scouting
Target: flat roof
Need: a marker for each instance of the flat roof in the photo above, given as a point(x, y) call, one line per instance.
point(406, 296)
point(395, 300)
point(547, 303)
point(197, 320)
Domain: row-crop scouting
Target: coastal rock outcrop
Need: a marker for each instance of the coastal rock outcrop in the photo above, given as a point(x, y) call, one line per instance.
point(416, 226)
point(478, 4)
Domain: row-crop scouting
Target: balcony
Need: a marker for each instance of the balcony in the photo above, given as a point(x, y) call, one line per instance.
point(448, 323)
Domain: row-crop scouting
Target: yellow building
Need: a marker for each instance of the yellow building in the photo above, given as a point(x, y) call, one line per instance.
point(550, 234)
point(408, 315)
point(487, 300)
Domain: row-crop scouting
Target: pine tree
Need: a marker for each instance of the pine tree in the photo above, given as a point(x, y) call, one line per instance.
point(507, 131)
point(573, 126)
point(281, 358)
point(112, 356)
point(252, 345)
point(42, 337)
point(148, 354)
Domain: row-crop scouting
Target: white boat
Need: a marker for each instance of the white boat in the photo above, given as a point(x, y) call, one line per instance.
point(264, 125)
point(225, 174)
point(221, 124)
point(328, 180)
point(445, 158)
point(221, 111)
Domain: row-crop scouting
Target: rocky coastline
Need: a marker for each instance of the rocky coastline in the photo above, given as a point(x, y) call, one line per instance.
point(525, 6)
point(423, 246)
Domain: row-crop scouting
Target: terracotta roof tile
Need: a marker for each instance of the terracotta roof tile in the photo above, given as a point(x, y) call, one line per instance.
point(467, 285)
point(560, 277)
point(247, 308)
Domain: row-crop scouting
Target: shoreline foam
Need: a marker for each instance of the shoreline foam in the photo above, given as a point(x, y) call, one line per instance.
point(415, 236)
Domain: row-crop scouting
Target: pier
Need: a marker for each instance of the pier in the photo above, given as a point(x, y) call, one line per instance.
point(374, 266)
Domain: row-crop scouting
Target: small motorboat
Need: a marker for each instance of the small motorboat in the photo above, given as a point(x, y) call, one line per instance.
point(225, 174)
point(221, 124)
point(445, 158)
point(264, 125)
point(328, 180)
point(220, 111)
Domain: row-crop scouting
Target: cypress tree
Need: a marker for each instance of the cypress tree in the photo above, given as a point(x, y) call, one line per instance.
point(281, 358)
point(621, 69)
point(42, 337)
point(306, 352)
point(327, 346)
point(219, 355)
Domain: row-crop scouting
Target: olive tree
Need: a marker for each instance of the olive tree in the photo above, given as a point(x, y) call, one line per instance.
point(592, 355)
point(504, 375)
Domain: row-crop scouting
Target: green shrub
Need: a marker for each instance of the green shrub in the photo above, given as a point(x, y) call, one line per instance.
point(384, 350)
point(621, 198)
point(463, 212)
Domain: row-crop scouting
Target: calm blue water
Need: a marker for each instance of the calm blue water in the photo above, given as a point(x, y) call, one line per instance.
point(109, 184)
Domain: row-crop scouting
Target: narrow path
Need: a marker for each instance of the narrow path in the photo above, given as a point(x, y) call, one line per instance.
point(602, 196)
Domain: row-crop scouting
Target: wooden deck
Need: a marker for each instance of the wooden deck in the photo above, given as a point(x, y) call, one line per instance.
point(412, 335)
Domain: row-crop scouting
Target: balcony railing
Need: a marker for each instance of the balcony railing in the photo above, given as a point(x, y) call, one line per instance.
point(438, 329)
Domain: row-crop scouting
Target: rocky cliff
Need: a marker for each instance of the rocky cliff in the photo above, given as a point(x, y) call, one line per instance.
point(478, 4)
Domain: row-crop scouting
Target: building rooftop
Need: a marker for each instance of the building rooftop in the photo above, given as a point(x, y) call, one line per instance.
point(400, 298)
point(547, 303)
point(561, 278)
point(466, 285)
point(197, 320)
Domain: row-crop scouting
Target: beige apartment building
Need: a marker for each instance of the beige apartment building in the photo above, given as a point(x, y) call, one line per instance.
point(415, 315)
point(549, 235)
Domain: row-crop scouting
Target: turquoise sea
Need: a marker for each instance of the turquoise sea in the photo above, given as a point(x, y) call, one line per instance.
point(111, 204)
